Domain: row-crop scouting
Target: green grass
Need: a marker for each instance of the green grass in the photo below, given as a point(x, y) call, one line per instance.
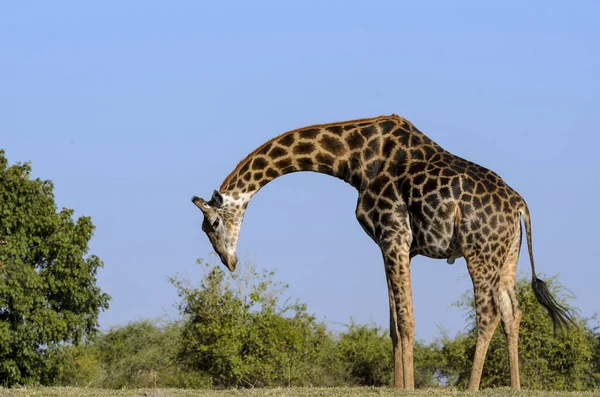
point(279, 392)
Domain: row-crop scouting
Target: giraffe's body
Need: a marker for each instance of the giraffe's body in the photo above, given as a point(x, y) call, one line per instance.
point(414, 198)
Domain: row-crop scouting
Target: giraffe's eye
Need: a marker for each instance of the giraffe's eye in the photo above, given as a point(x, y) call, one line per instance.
point(215, 223)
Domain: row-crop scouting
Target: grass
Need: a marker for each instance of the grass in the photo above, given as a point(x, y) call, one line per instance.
point(280, 392)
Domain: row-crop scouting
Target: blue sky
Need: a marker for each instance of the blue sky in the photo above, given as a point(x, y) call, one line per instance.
point(133, 107)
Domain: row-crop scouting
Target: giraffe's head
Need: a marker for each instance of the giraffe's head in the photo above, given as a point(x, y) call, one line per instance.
point(222, 221)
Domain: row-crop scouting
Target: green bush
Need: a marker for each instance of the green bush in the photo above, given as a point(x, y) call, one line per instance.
point(139, 354)
point(144, 354)
point(595, 342)
point(238, 332)
point(428, 364)
point(81, 366)
point(366, 351)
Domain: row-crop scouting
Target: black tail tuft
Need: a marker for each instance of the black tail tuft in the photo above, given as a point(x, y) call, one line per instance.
point(558, 313)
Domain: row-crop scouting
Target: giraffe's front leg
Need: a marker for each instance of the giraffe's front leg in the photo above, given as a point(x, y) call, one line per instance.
point(390, 229)
point(396, 342)
point(397, 267)
point(395, 238)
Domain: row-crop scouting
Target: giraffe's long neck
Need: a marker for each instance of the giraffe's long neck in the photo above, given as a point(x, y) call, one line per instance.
point(351, 151)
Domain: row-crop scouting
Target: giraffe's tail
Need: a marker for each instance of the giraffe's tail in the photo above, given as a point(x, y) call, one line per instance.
point(557, 312)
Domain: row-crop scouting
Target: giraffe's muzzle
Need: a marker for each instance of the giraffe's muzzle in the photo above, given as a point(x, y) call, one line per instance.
point(230, 262)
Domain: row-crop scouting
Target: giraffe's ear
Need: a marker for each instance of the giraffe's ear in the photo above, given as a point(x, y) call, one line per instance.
point(216, 200)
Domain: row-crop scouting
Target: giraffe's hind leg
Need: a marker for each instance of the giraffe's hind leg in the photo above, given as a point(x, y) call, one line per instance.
point(509, 309)
point(487, 315)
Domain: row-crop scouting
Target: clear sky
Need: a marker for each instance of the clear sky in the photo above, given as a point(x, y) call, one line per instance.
point(132, 107)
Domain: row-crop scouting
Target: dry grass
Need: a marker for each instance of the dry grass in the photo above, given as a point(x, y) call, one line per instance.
point(279, 392)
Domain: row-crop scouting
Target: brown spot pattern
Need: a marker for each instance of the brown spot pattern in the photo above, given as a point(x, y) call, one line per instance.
point(450, 207)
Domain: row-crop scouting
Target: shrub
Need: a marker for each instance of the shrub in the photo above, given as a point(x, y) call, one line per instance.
point(366, 352)
point(237, 331)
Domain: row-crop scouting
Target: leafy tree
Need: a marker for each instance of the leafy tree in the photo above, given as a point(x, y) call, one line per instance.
point(238, 332)
point(48, 292)
point(547, 361)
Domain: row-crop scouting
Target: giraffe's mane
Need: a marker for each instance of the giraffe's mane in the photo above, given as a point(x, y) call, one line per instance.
point(319, 126)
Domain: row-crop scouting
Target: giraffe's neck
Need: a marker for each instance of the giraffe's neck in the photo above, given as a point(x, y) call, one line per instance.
point(348, 150)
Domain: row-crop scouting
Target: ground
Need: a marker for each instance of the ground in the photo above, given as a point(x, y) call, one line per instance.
point(279, 392)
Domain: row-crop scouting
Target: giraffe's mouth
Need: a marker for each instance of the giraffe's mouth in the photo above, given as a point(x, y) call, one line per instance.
point(230, 262)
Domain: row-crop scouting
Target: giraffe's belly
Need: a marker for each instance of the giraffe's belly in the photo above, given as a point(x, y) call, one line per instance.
point(435, 238)
point(437, 249)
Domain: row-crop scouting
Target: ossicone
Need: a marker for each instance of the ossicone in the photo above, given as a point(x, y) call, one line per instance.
point(216, 200)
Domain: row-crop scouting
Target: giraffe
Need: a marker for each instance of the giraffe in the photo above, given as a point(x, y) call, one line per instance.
point(414, 198)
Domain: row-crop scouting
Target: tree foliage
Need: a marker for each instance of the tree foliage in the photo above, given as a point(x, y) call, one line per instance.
point(48, 292)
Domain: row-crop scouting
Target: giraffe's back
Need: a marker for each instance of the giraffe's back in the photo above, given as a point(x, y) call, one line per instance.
point(453, 203)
